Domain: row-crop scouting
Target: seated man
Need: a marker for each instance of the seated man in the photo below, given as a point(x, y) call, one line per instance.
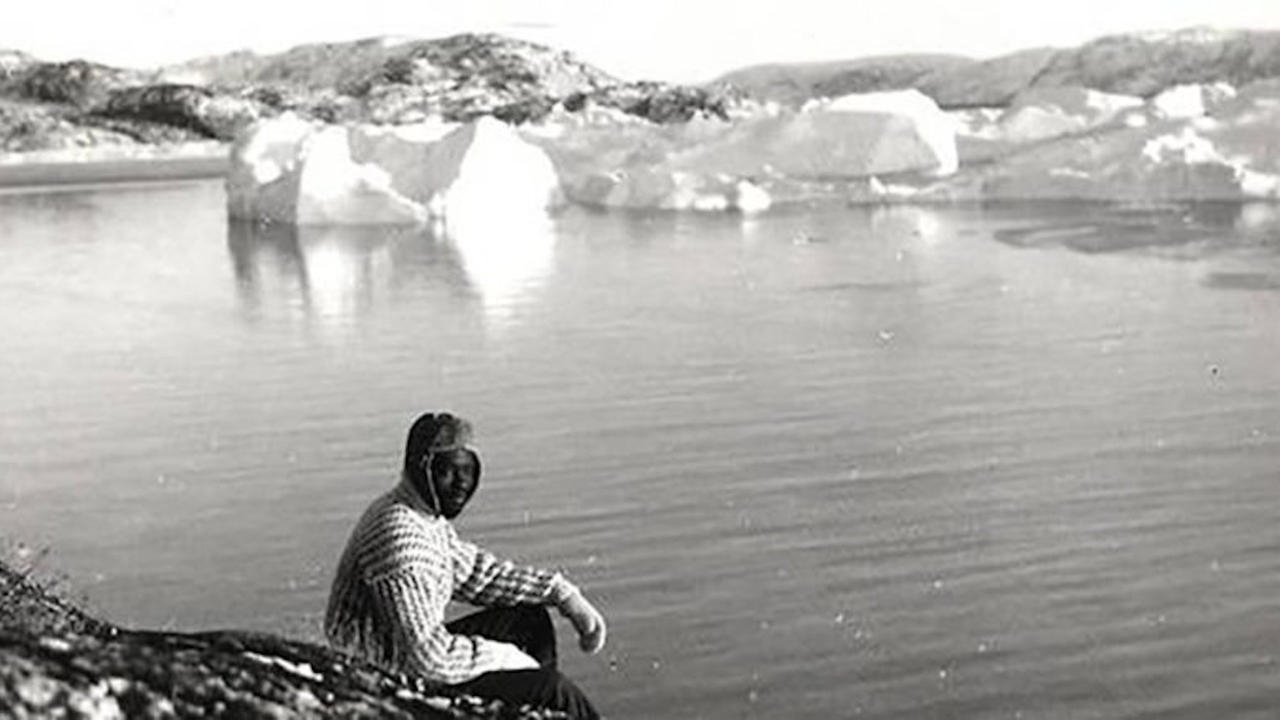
point(404, 562)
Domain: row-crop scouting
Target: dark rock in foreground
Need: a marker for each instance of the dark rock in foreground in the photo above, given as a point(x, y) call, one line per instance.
point(57, 661)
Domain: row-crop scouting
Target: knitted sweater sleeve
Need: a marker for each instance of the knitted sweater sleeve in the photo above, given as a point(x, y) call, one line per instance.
point(481, 578)
point(410, 588)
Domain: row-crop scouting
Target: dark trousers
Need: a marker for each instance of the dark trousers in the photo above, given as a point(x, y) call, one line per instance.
point(529, 628)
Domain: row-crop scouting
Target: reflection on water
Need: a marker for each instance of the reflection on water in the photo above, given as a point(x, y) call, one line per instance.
point(327, 273)
point(333, 276)
point(506, 256)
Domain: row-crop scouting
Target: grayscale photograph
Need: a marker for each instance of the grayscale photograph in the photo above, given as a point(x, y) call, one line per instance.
point(640, 360)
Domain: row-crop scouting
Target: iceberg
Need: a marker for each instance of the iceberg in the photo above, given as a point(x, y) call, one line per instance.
point(1045, 113)
point(292, 171)
point(665, 189)
point(930, 124)
point(851, 136)
point(1228, 155)
point(1191, 101)
point(745, 164)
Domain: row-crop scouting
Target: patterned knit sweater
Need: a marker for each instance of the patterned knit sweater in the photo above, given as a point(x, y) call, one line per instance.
point(402, 565)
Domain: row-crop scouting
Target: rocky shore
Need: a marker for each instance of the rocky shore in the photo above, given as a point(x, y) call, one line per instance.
point(58, 661)
point(78, 103)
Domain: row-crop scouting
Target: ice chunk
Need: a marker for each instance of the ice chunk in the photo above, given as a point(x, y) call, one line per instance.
point(936, 128)
point(852, 136)
point(291, 171)
point(1191, 101)
point(1044, 113)
point(665, 189)
point(485, 167)
point(262, 182)
point(1229, 154)
point(334, 189)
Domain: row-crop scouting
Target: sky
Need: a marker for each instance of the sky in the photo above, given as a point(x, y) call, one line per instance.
point(673, 40)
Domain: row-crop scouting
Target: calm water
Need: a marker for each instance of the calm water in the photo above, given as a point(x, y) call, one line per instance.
point(922, 463)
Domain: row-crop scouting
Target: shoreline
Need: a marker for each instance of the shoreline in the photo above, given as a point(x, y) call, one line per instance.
point(56, 660)
point(112, 165)
point(121, 166)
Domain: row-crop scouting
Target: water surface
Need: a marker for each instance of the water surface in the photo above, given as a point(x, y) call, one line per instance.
point(1012, 461)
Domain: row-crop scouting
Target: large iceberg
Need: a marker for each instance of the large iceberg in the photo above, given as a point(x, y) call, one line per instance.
point(744, 164)
point(292, 171)
point(1230, 154)
point(852, 136)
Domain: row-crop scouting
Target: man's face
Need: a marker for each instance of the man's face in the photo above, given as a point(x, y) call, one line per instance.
point(453, 476)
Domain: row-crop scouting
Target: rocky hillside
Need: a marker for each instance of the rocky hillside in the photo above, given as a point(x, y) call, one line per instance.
point(1134, 64)
point(57, 661)
point(793, 83)
point(380, 80)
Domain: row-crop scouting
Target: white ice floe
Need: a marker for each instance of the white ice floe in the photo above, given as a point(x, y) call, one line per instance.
point(927, 121)
point(1186, 146)
point(1044, 113)
point(1228, 154)
point(292, 171)
point(1191, 100)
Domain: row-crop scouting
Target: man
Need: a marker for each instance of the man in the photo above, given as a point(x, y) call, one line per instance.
point(404, 562)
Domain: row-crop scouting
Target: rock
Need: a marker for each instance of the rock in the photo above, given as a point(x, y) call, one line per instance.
point(27, 127)
point(458, 78)
point(379, 80)
point(293, 171)
point(657, 102)
point(56, 661)
point(13, 62)
point(184, 106)
point(25, 603)
point(76, 82)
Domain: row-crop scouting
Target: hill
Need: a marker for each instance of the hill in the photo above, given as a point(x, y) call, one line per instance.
point(1142, 64)
point(793, 83)
point(379, 80)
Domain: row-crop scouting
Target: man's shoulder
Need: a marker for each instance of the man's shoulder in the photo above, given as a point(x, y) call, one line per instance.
point(392, 526)
point(387, 511)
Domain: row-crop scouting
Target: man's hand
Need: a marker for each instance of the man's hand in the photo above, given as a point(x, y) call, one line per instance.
point(511, 657)
point(586, 620)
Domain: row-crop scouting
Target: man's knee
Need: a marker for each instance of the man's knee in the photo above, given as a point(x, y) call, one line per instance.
point(543, 688)
point(537, 619)
point(540, 634)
